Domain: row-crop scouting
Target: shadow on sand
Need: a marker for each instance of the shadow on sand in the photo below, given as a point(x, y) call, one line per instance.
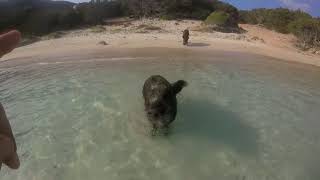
point(202, 119)
point(198, 44)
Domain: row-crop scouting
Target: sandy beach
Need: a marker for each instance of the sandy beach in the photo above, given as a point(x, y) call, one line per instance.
point(146, 33)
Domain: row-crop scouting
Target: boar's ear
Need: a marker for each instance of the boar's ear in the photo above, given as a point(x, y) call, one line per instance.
point(178, 86)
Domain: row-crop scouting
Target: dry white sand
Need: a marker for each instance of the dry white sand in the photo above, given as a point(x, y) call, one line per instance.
point(133, 34)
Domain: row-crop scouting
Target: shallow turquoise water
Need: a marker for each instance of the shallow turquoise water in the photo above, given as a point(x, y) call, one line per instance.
point(237, 120)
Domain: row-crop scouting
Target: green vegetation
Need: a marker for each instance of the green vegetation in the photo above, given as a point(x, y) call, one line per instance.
point(276, 19)
point(219, 18)
point(39, 17)
point(175, 9)
point(233, 12)
point(221, 21)
point(301, 24)
point(308, 32)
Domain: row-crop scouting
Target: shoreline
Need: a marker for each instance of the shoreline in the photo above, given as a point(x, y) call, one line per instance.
point(149, 53)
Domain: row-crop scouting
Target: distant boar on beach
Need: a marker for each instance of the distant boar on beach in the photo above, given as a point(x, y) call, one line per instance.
point(185, 37)
point(160, 101)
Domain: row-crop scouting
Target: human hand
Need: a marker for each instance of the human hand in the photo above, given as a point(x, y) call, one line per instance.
point(9, 41)
point(8, 148)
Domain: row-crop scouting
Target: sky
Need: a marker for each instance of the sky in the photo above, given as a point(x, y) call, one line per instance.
point(310, 6)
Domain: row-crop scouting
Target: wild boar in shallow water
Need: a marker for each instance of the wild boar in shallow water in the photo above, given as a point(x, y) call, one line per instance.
point(160, 101)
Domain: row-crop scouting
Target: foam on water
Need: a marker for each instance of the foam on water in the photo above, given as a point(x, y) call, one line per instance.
point(238, 120)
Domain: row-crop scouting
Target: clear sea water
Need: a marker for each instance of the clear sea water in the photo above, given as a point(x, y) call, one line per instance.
point(242, 117)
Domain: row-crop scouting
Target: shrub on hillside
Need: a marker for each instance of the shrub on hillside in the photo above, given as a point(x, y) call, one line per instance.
point(307, 31)
point(40, 22)
point(301, 24)
point(233, 12)
point(218, 18)
point(41, 17)
point(95, 13)
point(199, 13)
point(279, 20)
point(222, 21)
point(69, 19)
point(275, 19)
point(173, 9)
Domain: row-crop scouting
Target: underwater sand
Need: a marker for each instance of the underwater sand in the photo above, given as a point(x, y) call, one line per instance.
point(241, 118)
